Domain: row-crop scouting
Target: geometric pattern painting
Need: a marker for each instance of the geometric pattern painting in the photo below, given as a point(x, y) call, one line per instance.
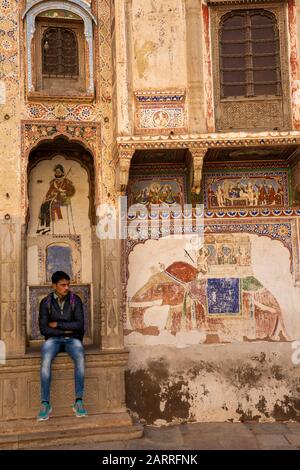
point(246, 189)
point(163, 111)
point(37, 293)
point(223, 296)
point(59, 258)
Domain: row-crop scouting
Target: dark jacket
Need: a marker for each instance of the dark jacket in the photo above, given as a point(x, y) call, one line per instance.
point(70, 321)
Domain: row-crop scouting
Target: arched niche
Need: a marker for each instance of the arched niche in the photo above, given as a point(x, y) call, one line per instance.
point(60, 229)
point(77, 7)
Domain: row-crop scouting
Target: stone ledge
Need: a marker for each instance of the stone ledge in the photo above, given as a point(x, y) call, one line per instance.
point(31, 360)
point(28, 433)
point(20, 386)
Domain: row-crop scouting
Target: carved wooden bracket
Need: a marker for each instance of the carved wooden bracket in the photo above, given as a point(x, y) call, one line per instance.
point(123, 167)
point(198, 155)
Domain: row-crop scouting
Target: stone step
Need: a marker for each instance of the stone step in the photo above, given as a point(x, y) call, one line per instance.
point(29, 433)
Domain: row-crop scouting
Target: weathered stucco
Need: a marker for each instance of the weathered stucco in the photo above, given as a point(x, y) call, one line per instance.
point(158, 41)
point(225, 382)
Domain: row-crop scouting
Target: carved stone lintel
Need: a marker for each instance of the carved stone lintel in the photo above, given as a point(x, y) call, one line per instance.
point(123, 167)
point(198, 155)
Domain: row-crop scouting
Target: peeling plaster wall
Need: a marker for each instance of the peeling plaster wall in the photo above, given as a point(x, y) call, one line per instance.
point(158, 42)
point(214, 383)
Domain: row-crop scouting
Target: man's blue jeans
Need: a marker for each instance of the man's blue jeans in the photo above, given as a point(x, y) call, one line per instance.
point(50, 349)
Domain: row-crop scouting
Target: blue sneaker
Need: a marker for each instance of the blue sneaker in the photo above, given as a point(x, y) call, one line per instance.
point(79, 409)
point(45, 411)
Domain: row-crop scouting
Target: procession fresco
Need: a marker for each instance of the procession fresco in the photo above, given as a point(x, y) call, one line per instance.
point(214, 291)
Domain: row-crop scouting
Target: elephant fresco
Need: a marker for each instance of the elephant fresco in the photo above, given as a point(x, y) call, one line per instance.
point(234, 308)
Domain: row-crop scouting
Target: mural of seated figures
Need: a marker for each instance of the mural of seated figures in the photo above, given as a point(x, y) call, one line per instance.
point(165, 191)
point(246, 189)
point(215, 294)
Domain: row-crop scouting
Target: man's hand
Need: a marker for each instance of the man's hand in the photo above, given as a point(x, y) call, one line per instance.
point(53, 324)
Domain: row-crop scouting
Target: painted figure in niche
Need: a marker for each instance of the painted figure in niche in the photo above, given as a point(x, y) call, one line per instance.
point(202, 261)
point(262, 194)
point(161, 118)
point(58, 195)
point(252, 195)
point(244, 256)
point(156, 193)
point(142, 197)
point(167, 195)
point(271, 194)
point(233, 307)
point(279, 197)
point(220, 196)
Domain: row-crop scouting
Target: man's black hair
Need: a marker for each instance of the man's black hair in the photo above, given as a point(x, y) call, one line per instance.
point(59, 167)
point(59, 276)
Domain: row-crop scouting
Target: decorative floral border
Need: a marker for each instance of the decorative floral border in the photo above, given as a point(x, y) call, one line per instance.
point(160, 111)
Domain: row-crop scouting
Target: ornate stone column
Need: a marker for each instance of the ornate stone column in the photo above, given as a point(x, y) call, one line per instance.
point(194, 38)
point(112, 258)
point(12, 325)
point(123, 84)
point(111, 295)
point(198, 155)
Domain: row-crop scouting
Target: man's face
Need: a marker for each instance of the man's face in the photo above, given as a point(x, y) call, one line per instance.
point(58, 173)
point(62, 287)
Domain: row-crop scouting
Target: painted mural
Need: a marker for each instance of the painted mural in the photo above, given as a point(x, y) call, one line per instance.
point(59, 194)
point(156, 190)
point(59, 230)
point(247, 189)
point(214, 292)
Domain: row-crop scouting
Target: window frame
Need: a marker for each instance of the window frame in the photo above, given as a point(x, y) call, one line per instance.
point(224, 106)
point(40, 79)
point(61, 30)
point(249, 56)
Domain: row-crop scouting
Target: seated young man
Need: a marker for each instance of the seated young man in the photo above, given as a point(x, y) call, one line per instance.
point(61, 322)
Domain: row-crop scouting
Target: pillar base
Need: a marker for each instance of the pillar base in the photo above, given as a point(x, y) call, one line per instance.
point(104, 399)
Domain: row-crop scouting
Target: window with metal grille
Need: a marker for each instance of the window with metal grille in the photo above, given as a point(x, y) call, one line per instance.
point(249, 54)
point(60, 53)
